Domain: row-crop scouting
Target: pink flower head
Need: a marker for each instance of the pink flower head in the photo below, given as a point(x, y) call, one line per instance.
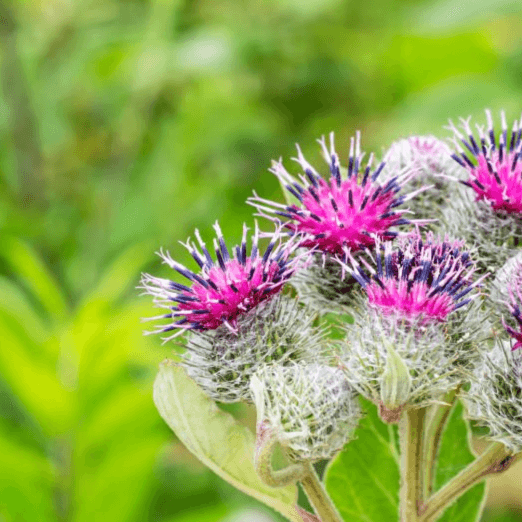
point(225, 290)
point(494, 167)
point(514, 305)
point(340, 212)
point(417, 279)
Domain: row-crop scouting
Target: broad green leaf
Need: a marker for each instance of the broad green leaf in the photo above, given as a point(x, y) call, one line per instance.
point(363, 480)
point(454, 455)
point(220, 442)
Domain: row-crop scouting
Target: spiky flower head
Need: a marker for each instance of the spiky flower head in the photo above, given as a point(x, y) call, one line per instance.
point(492, 235)
point(494, 399)
point(337, 212)
point(493, 165)
point(310, 408)
point(223, 290)
point(407, 346)
point(278, 331)
point(507, 294)
point(422, 279)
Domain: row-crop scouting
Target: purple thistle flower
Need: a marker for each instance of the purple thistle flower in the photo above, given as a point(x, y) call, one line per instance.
point(225, 290)
point(425, 280)
point(514, 305)
point(494, 166)
point(336, 213)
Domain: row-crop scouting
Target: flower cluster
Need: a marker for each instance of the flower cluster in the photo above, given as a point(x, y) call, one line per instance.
point(346, 243)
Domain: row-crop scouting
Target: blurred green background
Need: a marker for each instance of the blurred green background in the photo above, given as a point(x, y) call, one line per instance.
point(126, 124)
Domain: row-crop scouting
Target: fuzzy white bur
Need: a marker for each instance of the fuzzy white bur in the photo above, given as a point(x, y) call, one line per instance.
point(310, 409)
point(494, 235)
point(396, 362)
point(324, 286)
point(222, 362)
point(494, 399)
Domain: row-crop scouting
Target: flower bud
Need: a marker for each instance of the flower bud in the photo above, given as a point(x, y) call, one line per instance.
point(396, 381)
point(417, 325)
point(309, 408)
point(430, 161)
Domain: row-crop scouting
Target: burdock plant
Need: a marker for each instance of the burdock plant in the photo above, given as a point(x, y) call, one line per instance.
point(380, 403)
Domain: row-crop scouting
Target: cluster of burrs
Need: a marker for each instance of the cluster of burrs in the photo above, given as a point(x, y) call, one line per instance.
point(349, 240)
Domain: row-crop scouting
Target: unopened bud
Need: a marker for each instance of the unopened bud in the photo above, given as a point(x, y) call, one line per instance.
point(310, 409)
point(395, 385)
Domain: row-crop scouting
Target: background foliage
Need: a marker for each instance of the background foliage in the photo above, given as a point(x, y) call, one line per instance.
point(124, 125)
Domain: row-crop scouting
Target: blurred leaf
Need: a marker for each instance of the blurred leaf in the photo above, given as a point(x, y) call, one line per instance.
point(122, 274)
point(363, 479)
point(26, 484)
point(449, 15)
point(27, 265)
point(213, 435)
point(35, 383)
point(454, 455)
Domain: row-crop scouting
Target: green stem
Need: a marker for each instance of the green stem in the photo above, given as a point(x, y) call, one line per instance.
point(495, 459)
point(431, 441)
point(411, 429)
point(318, 497)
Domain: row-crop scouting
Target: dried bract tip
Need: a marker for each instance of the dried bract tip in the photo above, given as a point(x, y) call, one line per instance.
point(338, 212)
point(310, 408)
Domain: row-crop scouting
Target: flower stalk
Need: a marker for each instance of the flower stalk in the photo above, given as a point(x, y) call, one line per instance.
point(265, 446)
point(411, 429)
point(318, 497)
point(436, 422)
point(496, 459)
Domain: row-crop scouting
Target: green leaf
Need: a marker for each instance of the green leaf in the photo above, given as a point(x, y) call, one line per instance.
point(363, 480)
point(212, 435)
point(454, 455)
